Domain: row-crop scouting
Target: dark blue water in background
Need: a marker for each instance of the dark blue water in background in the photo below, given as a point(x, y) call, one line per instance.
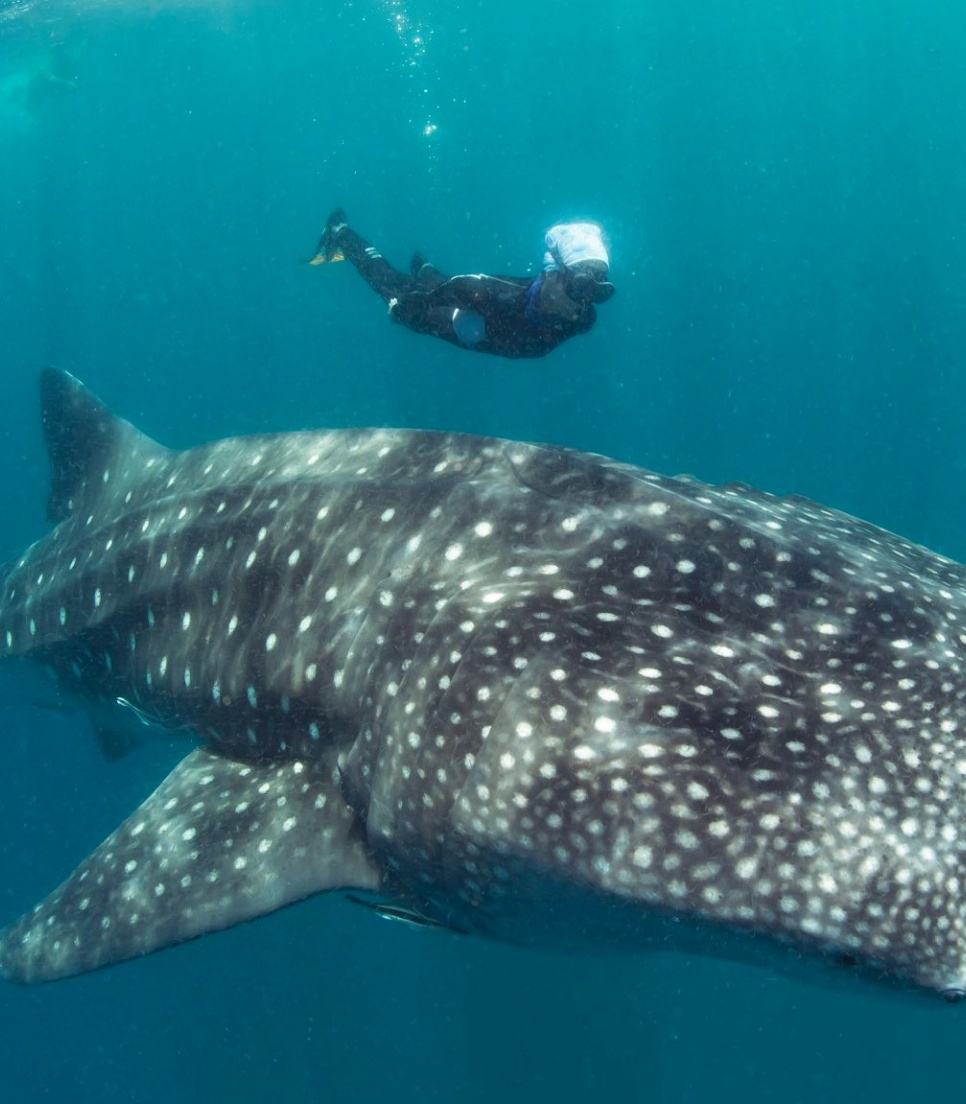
point(784, 185)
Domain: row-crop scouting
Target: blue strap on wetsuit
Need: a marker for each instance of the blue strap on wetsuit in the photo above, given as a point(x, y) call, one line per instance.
point(532, 311)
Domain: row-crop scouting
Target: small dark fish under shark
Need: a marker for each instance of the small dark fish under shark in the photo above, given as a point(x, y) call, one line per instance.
point(511, 690)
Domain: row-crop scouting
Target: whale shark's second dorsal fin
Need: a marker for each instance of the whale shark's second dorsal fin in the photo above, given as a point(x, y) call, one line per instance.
point(83, 441)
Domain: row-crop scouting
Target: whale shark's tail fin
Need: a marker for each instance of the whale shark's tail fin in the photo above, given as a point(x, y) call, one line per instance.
point(83, 441)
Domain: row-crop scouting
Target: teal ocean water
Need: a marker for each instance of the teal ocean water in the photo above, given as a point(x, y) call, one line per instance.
point(783, 184)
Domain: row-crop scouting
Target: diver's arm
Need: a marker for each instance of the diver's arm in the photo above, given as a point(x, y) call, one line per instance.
point(471, 292)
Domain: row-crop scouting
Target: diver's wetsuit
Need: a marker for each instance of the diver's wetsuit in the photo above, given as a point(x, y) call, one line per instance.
point(428, 302)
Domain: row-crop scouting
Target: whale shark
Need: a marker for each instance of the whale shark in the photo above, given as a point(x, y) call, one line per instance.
point(505, 689)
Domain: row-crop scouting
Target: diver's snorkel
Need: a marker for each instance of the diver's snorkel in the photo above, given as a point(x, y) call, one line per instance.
point(586, 282)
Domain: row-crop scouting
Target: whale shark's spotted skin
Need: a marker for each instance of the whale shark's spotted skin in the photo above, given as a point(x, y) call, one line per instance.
point(519, 691)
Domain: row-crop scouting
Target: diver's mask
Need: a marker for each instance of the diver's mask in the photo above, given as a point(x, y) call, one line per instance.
point(586, 282)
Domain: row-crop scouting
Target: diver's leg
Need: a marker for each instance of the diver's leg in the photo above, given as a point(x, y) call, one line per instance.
point(426, 275)
point(369, 262)
point(373, 267)
point(419, 312)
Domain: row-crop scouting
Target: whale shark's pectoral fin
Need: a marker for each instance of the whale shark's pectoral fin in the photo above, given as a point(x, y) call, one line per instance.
point(217, 843)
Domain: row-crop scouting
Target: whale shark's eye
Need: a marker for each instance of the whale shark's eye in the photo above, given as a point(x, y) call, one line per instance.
point(953, 996)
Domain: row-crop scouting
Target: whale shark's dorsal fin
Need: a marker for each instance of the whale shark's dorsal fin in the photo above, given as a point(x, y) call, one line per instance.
point(82, 438)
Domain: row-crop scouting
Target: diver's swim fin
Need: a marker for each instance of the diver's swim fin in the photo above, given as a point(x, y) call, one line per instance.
point(328, 251)
point(323, 256)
